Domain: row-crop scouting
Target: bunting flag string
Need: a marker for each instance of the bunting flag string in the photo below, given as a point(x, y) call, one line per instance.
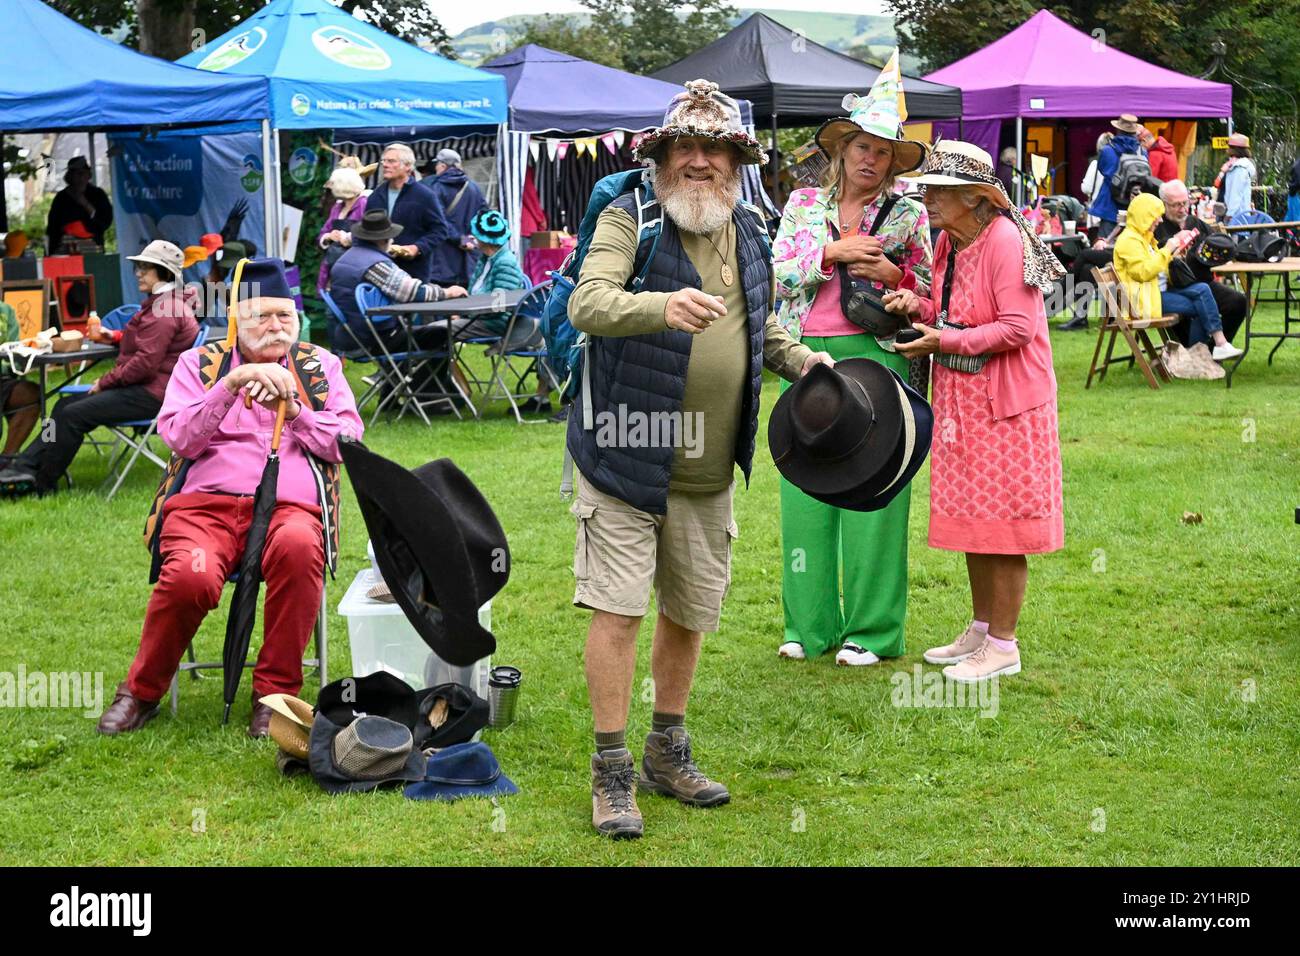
point(535, 148)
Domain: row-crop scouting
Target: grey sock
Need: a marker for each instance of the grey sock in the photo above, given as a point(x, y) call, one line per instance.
point(660, 722)
point(611, 740)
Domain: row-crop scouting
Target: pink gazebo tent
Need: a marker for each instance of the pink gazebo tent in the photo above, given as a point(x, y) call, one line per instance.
point(1047, 69)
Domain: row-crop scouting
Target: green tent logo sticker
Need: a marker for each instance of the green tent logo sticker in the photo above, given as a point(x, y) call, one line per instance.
point(235, 50)
point(252, 178)
point(302, 165)
point(299, 104)
point(347, 48)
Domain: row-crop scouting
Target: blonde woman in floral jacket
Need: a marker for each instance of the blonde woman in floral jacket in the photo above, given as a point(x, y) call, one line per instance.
point(820, 230)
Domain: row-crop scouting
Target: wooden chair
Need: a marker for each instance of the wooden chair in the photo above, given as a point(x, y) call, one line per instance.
point(1118, 319)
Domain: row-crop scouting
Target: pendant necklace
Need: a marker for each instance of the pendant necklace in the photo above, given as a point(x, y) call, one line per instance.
point(727, 277)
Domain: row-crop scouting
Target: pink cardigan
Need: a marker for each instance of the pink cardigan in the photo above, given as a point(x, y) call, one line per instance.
point(1007, 319)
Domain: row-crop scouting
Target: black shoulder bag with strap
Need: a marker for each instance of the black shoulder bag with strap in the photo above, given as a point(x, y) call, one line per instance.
point(860, 301)
point(951, 360)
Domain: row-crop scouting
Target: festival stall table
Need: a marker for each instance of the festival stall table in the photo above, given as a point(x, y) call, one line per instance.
point(1251, 270)
point(91, 355)
point(466, 307)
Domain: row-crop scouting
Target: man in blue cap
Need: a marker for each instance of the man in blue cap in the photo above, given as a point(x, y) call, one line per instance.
point(217, 417)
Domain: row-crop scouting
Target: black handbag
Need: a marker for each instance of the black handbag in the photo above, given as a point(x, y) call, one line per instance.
point(860, 301)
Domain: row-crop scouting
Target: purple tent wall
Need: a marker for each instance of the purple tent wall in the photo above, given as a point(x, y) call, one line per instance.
point(982, 133)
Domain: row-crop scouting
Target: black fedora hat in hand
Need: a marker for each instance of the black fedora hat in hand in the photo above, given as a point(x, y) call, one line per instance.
point(439, 546)
point(375, 226)
point(851, 435)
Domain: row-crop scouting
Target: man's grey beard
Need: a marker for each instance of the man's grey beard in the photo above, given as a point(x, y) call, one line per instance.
point(697, 210)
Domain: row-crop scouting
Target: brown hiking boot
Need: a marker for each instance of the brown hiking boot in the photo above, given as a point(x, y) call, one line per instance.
point(613, 795)
point(667, 768)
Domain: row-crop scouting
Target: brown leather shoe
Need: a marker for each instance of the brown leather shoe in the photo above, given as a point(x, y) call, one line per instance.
point(126, 713)
point(259, 724)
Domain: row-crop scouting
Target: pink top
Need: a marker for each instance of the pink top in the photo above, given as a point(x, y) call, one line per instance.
point(1007, 318)
point(825, 317)
point(228, 443)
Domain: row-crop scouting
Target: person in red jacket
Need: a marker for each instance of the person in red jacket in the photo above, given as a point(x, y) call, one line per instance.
point(1160, 154)
point(149, 345)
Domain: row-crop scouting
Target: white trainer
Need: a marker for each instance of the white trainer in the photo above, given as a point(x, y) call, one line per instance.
point(851, 655)
point(1222, 353)
point(792, 650)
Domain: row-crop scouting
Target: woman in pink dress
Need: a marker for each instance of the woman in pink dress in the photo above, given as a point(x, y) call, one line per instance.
point(995, 463)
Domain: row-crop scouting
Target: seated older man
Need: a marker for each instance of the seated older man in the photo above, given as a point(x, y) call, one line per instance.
point(1177, 217)
point(217, 417)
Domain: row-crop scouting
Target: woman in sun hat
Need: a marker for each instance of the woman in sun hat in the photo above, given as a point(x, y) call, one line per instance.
point(854, 228)
point(133, 389)
point(1236, 177)
point(995, 467)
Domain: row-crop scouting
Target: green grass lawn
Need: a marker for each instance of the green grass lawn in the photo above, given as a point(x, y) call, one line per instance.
point(1156, 721)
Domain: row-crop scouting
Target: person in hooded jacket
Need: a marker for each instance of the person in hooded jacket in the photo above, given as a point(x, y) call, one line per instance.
point(452, 260)
point(1123, 142)
point(1142, 267)
point(1160, 154)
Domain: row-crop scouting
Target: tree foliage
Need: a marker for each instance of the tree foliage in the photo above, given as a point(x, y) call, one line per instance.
point(640, 36)
point(172, 28)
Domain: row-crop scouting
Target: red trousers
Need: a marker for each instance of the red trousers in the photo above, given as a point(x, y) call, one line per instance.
point(202, 542)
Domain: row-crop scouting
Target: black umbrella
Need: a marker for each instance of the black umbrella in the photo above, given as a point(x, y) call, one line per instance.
point(243, 605)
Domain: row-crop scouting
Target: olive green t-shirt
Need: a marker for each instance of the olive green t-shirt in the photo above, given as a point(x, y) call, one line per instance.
point(718, 373)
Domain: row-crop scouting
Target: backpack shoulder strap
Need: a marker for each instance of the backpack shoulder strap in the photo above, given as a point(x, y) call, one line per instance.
point(649, 226)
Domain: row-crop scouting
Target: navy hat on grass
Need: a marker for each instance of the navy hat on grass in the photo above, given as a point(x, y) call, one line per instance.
point(461, 770)
point(490, 227)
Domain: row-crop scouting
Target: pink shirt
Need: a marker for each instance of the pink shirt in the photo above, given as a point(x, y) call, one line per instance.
point(228, 443)
point(825, 317)
point(1007, 318)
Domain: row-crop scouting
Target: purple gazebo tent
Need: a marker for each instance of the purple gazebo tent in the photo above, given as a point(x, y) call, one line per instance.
point(1047, 69)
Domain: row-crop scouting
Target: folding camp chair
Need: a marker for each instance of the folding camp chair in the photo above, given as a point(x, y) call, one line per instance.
point(134, 437)
point(1118, 319)
point(399, 370)
point(521, 351)
point(340, 335)
point(493, 342)
point(320, 661)
point(114, 321)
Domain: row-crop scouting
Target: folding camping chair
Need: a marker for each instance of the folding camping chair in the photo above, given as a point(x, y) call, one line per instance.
point(135, 436)
point(523, 344)
point(398, 370)
point(320, 661)
point(339, 335)
point(114, 321)
point(1118, 319)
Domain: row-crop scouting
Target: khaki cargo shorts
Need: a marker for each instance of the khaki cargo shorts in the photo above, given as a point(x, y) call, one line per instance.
point(685, 555)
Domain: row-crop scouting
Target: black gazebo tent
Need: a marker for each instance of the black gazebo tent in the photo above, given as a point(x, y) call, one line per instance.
point(792, 81)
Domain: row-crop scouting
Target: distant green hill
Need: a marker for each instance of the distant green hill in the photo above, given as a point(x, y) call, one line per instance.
point(839, 31)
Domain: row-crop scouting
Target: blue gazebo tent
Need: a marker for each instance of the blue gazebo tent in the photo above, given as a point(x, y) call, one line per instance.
point(329, 70)
point(58, 75)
